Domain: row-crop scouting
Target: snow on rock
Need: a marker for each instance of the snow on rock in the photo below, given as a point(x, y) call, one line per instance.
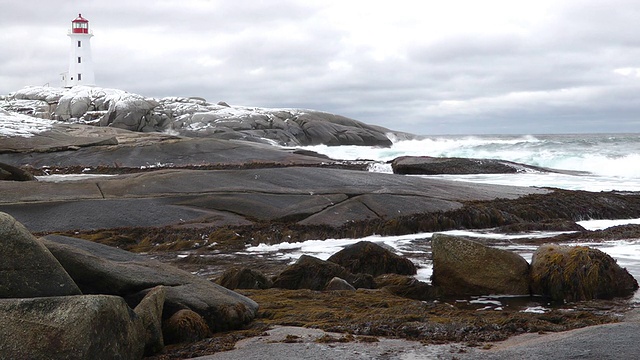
point(191, 116)
point(86, 103)
point(42, 93)
point(12, 124)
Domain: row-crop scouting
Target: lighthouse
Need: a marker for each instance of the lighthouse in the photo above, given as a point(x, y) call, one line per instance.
point(80, 63)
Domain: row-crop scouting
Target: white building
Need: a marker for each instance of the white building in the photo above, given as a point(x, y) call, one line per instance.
point(80, 63)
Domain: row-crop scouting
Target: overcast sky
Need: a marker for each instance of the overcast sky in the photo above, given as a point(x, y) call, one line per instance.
point(426, 67)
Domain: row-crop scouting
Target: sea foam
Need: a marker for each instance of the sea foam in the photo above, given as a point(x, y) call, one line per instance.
point(610, 159)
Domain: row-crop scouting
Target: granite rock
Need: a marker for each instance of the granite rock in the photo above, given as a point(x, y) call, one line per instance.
point(70, 327)
point(466, 267)
point(27, 268)
point(100, 269)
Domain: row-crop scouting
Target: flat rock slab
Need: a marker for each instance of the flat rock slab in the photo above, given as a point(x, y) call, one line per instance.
point(316, 196)
point(59, 137)
point(289, 342)
point(114, 213)
point(78, 147)
point(610, 341)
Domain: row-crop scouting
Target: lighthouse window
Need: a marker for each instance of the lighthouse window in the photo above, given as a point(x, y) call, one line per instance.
point(79, 43)
point(79, 77)
point(79, 60)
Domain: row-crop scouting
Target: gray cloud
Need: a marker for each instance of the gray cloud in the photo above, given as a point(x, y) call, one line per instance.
point(568, 66)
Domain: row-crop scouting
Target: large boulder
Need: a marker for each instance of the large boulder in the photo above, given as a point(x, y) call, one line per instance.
point(27, 268)
point(133, 112)
point(370, 258)
point(46, 94)
point(75, 103)
point(466, 267)
point(101, 269)
point(70, 327)
point(312, 273)
point(573, 273)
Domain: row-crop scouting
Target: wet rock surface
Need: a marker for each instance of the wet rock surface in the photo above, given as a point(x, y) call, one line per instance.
point(427, 165)
point(370, 258)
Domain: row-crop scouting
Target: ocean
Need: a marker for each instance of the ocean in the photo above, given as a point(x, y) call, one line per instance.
point(609, 161)
point(603, 162)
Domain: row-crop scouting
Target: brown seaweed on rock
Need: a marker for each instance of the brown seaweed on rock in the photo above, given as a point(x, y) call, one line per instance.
point(575, 273)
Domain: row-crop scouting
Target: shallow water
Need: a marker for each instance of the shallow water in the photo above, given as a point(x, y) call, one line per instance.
point(417, 247)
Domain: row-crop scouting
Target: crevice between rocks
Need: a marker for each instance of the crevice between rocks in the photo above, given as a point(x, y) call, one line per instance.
point(101, 192)
point(370, 209)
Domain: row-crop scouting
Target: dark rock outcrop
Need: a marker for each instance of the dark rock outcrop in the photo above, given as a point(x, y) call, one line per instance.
point(100, 269)
point(427, 165)
point(70, 327)
point(465, 267)
point(244, 278)
point(406, 286)
point(8, 172)
point(27, 268)
point(370, 258)
point(574, 273)
point(314, 274)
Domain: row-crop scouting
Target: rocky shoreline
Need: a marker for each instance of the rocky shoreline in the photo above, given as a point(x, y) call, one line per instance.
point(208, 196)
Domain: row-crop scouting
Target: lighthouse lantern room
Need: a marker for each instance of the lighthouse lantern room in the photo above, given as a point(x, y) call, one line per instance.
point(80, 62)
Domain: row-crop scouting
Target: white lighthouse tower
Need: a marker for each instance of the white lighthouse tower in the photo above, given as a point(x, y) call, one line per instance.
point(80, 63)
